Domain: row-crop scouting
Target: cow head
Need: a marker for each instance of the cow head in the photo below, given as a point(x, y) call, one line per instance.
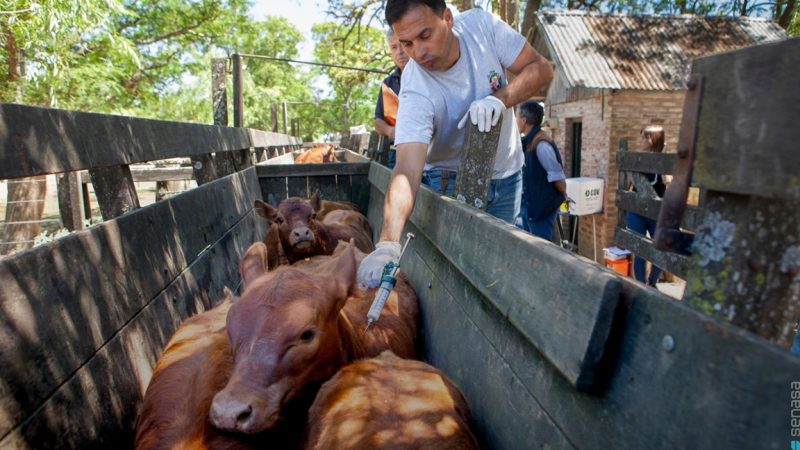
point(285, 335)
point(297, 224)
point(330, 154)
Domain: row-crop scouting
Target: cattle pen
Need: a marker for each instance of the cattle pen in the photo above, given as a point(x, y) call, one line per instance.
point(550, 350)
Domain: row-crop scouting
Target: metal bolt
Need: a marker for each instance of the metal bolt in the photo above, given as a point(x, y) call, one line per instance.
point(668, 344)
point(430, 285)
point(198, 165)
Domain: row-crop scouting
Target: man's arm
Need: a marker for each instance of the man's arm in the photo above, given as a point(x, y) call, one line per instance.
point(531, 73)
point(402, 192)
point(384, 128)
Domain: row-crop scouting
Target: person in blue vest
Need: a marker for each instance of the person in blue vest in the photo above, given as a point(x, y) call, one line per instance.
point(544, 187)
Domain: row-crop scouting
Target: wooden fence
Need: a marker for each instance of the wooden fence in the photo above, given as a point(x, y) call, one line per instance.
point(643, 201)
point(103, 149)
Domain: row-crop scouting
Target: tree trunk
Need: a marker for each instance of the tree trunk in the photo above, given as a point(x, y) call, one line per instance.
point(23, 213)
point(784, 18)
point(529, 19)
point(508, 12)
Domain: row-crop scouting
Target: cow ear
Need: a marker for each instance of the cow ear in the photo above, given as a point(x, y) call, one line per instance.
point(265, 210)
point(343, 282)
point(316, 201)
point(253, 264)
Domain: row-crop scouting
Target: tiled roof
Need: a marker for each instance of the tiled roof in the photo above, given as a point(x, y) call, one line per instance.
point(619, 51)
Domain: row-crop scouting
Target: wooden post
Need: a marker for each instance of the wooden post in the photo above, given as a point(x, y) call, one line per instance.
point(273, 114)
point(241, 158)
point(203, 165)
point(23, 213)
point(285, 113)
point(114, 189)
point(475, 173)
point(746, 254)
point(223, 161)
point(70, 201)
point(622, 184)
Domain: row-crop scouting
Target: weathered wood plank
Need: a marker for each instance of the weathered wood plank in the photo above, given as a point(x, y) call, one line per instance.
point(114, 189)
point(328, 186)
point(650, 207)
point(734, 385)
point(70, 201)
point(746, 264)
point(297, 187)
point(646, 162)
point(273, 189)
point(298, 170)
point(569, 326)
point(644, 248)
point(505, 414)
point(747, 132)
point(37, 140)
point(475, 173)
point(62, 301)
point(96, 406)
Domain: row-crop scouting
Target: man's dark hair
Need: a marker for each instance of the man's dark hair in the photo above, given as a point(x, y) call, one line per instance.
point(396, 9)
point(532, 111)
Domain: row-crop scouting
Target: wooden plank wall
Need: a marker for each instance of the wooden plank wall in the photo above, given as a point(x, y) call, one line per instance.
point(670, 377)
point(645, 202)
point(346, 181)
point(85, 317)
point(43, 140)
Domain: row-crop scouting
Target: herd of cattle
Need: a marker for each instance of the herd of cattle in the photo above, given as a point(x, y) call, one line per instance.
point(288, 363)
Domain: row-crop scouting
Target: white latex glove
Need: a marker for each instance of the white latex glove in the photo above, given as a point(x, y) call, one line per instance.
point(371, 268)
point(484, 113)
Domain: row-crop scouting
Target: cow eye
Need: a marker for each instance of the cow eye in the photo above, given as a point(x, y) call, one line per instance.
point(278, 219)
point(313, 216)
point(307, 335)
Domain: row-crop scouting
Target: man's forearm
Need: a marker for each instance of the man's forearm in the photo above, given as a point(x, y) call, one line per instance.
point(561, 187)
point(532, 73)
point(402, 192)
point(383, 128)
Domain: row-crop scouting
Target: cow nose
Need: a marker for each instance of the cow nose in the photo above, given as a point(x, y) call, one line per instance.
point(301, 234)
point(231, 414)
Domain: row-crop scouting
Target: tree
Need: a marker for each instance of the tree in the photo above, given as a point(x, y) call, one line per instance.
point(354, 92)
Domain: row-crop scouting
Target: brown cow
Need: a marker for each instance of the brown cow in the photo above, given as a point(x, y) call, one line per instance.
point(294, 327)
point(302, 234)
point(389, 403)
point(195, 365)
point(318, 154)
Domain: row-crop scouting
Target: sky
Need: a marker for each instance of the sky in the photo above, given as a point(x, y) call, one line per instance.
point(302, 13)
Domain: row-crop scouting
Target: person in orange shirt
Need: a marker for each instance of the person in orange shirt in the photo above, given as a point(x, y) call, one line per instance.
point(386, 109)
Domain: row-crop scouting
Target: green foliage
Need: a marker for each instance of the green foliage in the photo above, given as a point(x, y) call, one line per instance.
point(354, 92)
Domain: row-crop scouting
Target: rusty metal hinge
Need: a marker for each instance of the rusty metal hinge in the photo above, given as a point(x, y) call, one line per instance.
point(669, 236)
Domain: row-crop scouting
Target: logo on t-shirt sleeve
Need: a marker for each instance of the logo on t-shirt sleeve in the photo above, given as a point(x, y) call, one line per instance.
point(495, 81)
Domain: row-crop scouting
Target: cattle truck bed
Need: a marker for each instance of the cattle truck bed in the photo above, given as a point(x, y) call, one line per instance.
point(550, 349)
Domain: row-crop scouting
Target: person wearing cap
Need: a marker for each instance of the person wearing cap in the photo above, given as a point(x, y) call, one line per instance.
point(544, 187)
point(457, 72)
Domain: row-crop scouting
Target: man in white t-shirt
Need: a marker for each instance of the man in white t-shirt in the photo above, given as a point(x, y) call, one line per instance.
point(456, 73)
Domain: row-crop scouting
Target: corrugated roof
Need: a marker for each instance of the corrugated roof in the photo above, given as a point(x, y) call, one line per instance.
point(619, 51)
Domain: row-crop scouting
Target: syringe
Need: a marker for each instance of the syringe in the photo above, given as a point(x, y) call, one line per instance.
point(388, 280)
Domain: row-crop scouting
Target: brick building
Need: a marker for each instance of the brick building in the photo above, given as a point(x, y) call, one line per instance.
point(617, 73)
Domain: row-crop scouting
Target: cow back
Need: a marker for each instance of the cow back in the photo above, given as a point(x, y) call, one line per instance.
point(389, 403)
point(343, 225)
